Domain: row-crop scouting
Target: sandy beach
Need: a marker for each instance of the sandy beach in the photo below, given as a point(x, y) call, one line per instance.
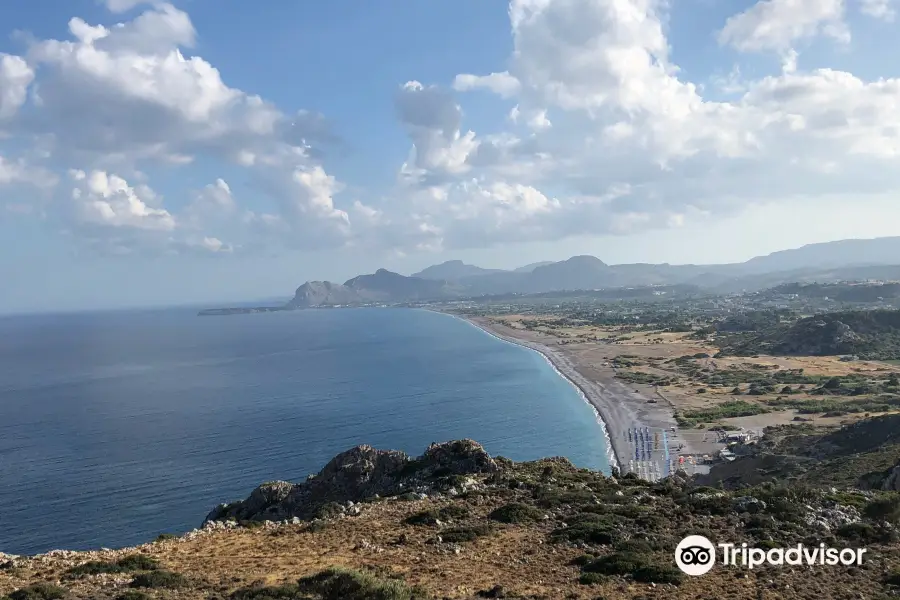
point(621, 406)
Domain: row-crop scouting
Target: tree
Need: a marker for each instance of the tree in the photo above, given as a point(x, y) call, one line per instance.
point(833, 384)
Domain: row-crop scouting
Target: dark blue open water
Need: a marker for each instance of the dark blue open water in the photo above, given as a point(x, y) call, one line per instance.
point(115, 427)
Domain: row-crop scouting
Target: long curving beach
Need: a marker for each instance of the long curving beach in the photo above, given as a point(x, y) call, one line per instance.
point(619, 405)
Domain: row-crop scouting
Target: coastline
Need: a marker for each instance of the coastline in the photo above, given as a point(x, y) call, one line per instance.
point(567, 372)
point(613, 428)
point(619, 407)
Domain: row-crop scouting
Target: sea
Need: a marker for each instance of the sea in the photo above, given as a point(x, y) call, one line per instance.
point(116, 427)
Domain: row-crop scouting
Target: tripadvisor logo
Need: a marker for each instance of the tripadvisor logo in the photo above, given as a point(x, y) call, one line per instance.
point(696, 555)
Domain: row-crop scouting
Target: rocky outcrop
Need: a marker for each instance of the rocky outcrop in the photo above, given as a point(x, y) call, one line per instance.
point(892, 481)
point(323, 293)
point(357, 474)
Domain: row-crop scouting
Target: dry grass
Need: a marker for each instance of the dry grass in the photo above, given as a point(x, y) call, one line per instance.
point(517, 557)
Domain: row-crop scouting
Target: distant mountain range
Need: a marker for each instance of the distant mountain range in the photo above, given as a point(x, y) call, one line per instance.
point(833, 261)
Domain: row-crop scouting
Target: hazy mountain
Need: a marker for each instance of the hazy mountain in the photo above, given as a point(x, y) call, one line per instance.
point(532, 266)
point(453, 270)
point(384, 285)
point(833, 261)
point(576, 273)
point(877, 251)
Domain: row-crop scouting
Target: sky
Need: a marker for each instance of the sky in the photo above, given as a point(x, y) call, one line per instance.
point(200, 151)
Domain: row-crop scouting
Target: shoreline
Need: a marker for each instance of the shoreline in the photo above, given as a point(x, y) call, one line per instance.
point(619, 406)
point(563, 370)
point(614, 415)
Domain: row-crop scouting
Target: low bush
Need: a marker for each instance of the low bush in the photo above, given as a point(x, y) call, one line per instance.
point(884, 509)
point(38, 591)
point(592, 529)
point(456, 535)
point(133, 595)
point(289, 591)
point(126, 564)
point(516, 512)
point(159, 579)
point(640, 566)
point(347, 584)
point(329, 511)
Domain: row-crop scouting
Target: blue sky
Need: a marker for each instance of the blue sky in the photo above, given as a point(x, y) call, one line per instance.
point(158, 153)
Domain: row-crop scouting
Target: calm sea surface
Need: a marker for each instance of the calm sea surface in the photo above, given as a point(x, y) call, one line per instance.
point(116, 427)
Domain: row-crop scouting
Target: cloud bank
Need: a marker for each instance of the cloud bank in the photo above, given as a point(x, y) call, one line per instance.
point(603, 135)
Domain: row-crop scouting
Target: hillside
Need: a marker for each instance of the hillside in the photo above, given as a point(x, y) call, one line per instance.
point(871, 335)
point(458, 523)
point(864, 455)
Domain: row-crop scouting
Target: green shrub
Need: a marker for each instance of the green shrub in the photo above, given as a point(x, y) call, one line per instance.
point(433, 515)
point(456, 535)
point(165, 536)
point(289, 591)
point(346, 584)
point(590, 578)
point(592, 529)
point(133, 595)
point(316, 526)
point(38, 591)
point(641, 567)
point(329, 511)
point(516, 512)
point(654, 573)
point(884, 509)
point(860, 532)
point(126, 564)
point(726, 410)
point(581, 560)
point(159, 579)
point(618, 563)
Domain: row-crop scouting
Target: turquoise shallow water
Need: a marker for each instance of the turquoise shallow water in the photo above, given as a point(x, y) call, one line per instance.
point(115, 427)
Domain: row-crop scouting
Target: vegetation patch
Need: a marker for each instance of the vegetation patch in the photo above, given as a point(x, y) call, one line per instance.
point(39, 591)
point(726, 410)
point(459, 535)
point(133, 595)
point(290, 591)
point(516, 512)
point(126, 564)
point(639, 567)
point(592, 529)
point(433, 515)
point(347, 584)
point(159, 579)
point(329, 510)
